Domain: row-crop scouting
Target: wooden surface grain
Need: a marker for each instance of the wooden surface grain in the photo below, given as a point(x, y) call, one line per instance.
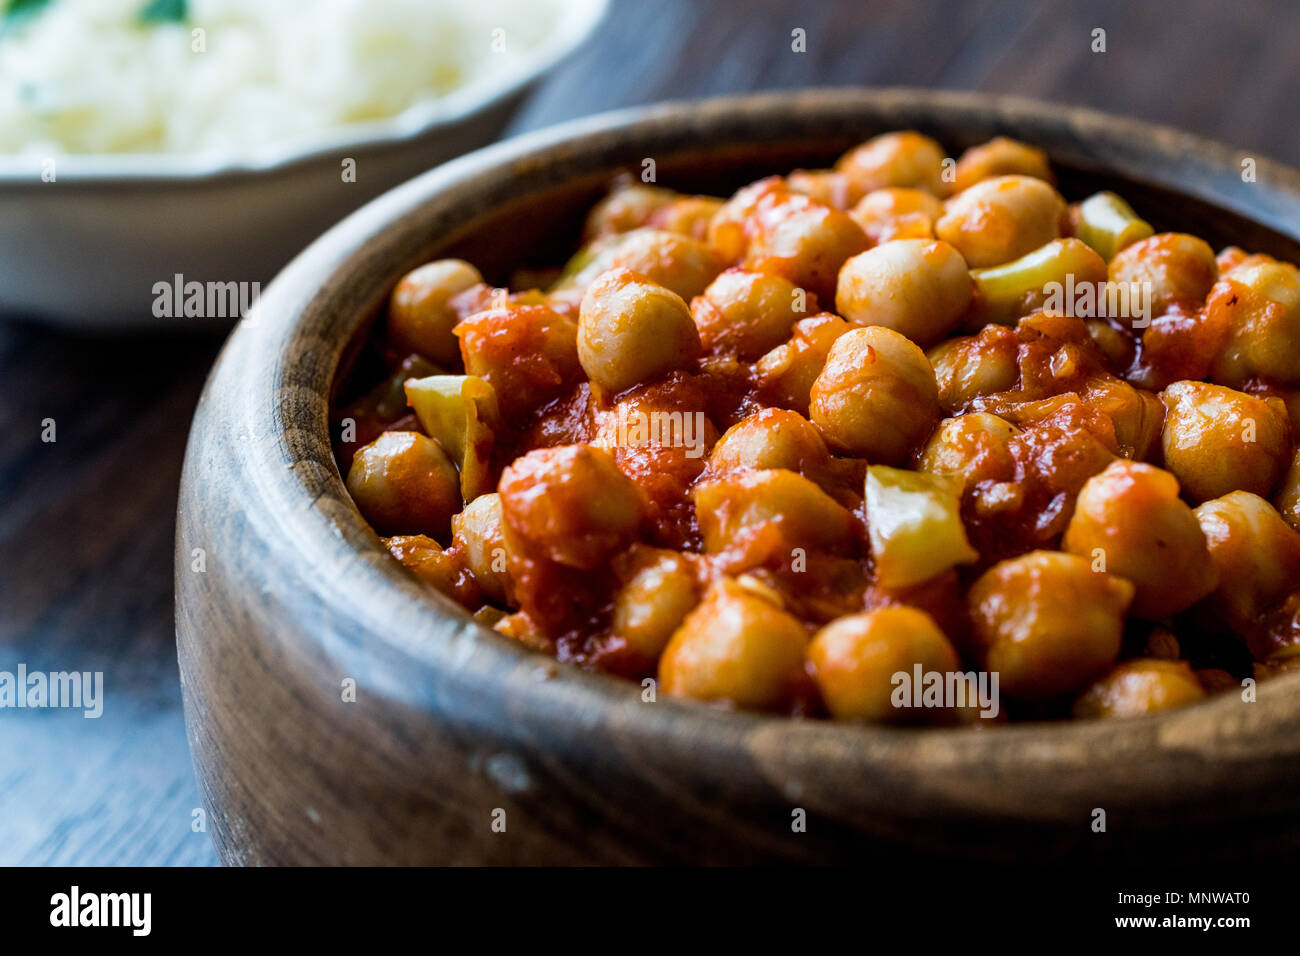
point(86, 522)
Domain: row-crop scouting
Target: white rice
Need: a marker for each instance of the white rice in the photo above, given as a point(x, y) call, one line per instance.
point(85, 76)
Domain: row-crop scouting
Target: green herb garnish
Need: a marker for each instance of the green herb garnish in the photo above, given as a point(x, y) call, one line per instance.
point(164, 11)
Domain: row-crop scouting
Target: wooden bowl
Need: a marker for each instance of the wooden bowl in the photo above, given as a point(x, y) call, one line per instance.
point(463, 747)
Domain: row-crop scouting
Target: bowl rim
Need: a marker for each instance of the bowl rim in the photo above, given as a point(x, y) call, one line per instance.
point(305, 500)
point(425, 117)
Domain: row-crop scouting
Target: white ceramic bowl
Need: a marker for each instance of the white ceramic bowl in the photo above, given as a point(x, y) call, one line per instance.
point(88, 250)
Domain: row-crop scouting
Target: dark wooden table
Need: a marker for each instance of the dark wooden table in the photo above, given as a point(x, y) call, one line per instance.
point(86, 522)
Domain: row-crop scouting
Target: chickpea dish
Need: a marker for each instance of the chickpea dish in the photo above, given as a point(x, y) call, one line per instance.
point(853, 442)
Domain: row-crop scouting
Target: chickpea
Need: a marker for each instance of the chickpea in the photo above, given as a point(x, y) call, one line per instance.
point(630, 205)
point(772, 438)
point(1232, 258)
point(775, 509)
point(442, 570)
point(403, 483)
point(971, 448)
point(654, 601)
point(635, 205)
point(1047, 623)
point(1218, 440)
point(1001, 219)
point(479, 531)
point(736, 648)
point(826, 186)
point(571, 505)
point(1180, 268)
point(914, 286)
point(1288, 493)
point(527, 353)
point(747, 313)
point(631, 330)
point(803, 241)
point(786, 374)
point(687, 216)
point(1138, 687)
point(1259, 304)
point(905, 158)
point(975, 365)
point(877, 397)
point(676, 262)
point(1229, 257)
point(1001, 156)
point(899, 213)
point(1131, 518)
point(1256, 553)
point(854, 660)
point(729, 229)
point(419, 317)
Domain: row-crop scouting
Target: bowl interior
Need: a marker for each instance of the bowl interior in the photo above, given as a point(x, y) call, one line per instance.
point(537, 224)
point(528, 212)
point(543, 228)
